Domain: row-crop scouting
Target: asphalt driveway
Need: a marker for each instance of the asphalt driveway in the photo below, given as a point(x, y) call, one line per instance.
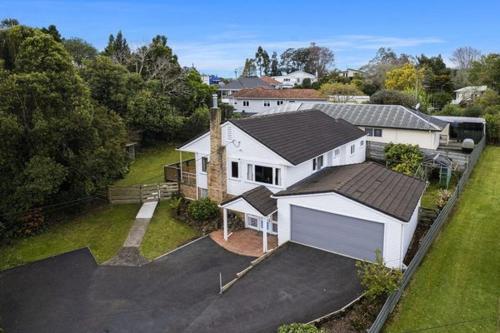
point(178, 293)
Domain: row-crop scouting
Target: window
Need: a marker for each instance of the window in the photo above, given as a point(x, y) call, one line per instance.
point(250, 172)
point(267, 103)
point(263, 174)
point(373, 131)
point(274, 227)
point(286, 79)
point(277, 177)
point(246, 103)
point(204, 163)
point(353, 149)
point(279, 102)
point(235, 166)
point(253, 221)
point(274, 217)
point(318, 163)
point(361, 143)
point(202, 193)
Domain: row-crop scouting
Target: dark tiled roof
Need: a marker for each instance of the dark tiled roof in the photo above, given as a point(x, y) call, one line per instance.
point(369, 183)
point(297, 94)
point(299, 136)
point(259, 198)
point(246, 83)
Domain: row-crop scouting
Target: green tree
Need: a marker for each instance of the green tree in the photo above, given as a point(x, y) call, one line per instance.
point(262, 61)
point(80, 50)
point(437, 77)
point(249, 69)
point(393, 97)
point(403, 158)
point(8, 23)
point(486, 71)
point(378, 279)
point(340, 92)
point(52, 30)
point(404, 78)
point(274, 66)
point(110, 83)
point(118, 49)
point(56, 144)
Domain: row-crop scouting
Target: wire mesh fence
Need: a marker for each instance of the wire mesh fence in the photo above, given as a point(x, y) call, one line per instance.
point(426, 242)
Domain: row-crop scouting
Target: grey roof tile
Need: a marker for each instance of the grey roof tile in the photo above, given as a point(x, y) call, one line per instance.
point(369, 183)
point(259, 198)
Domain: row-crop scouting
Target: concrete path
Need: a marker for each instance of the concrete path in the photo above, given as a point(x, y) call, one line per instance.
point(129, 254)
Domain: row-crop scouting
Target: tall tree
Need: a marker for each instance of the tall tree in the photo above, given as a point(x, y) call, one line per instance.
point(463, 57)
point(56, 143)
point(118, 49)
point(262, 61)
point(274, 67)
point(8, 23)
point(52, 30)
point(404, 78)
point(249, 69)
point(313, 59)
point(437, 77)
point(80, 50)
point(384, 61)
point(486, 71)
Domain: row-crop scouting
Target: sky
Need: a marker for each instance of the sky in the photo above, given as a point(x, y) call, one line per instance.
point(217, 36)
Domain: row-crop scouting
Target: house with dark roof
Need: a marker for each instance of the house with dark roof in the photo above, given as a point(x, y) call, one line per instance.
point(382, 123)
point(259, 100)
point(228, 89)
point(302, 177)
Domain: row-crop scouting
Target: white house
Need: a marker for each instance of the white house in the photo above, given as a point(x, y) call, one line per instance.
point(303, 177)
point(468, 94)
point(382, 123)
point(294, 79)
point(351, 73)
point(258, 100)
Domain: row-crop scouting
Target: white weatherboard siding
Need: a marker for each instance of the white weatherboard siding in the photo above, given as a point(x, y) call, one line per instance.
point(409, 229)
point(425, 139)
point(255, 105)
point(244, 149)
point(334, 203)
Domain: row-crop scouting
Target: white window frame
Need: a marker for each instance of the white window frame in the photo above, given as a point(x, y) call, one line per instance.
point(353, 149)
point(275, 181)
point(267, 103)
point(231, 169)
point(318, 163)
point(361, 143)
point(204, 158)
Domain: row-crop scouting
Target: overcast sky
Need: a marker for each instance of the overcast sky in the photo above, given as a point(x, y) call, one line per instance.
point(216, 36)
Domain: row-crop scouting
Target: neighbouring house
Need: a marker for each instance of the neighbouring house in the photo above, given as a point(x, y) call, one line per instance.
point(351, 73)
point(465, 127)
point(468, 95)
point(383, 123)
point(302, 176)
point(294, 79)
point(258, 100)
point(226, 90)
point(348, 99)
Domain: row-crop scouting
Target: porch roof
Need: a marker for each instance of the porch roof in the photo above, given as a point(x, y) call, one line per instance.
point(259, 198)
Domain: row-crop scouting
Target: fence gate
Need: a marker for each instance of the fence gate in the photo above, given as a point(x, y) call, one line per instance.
point(141, 193)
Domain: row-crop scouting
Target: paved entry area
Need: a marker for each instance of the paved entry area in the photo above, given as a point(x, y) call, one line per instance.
point(177, 293)
point(246, 242)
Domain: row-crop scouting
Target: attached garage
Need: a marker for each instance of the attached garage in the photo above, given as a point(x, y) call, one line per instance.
point(352, 210)
point(352, 237)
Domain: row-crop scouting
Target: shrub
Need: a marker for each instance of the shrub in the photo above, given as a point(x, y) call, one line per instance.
point(376, 278)
point(203, 210)
point(443, 196)
point(299, 328)
point(403, 158)
point(393, 97)
point(452, 110)
point(493, 128)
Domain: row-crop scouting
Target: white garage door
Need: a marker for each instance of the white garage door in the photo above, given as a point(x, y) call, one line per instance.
point(352, 237)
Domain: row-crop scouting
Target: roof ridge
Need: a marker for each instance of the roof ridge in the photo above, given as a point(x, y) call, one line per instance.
point(420, 117)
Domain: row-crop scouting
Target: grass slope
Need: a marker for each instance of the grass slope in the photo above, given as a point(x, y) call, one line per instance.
point(457, 288)
point(148, 166)
point(165, 233)
point(103, 230)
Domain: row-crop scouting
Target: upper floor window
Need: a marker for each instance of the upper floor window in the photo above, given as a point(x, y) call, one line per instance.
point(361, 143)
point(370, 131)
point(353, 149)
point(204, 163)
point(235, 169)
point(318, 163)
point(264, 174)
point(267, 103)
point(246, 103)
point(279, 102)
point(286, 79)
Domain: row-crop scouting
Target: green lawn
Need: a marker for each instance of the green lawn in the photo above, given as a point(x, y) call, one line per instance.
point(429, 199)
point(148, 165)
point(103, 230)
point(459, 280)
point(165, 233)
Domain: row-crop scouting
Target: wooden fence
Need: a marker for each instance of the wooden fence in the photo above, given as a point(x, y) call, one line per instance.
point(141, 193)
point(426, 241)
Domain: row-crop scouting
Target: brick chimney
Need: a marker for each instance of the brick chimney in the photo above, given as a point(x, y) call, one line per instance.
point(217, 165)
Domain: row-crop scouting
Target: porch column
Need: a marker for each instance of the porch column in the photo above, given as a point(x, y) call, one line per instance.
point(225, 223)
point(264, 234)
point(180, 163)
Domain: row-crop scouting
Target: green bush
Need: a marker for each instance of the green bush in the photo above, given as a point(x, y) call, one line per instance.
point(403, 158)
point(393, 97)
point(299, 328)
point(452, 110)
point(203, 210)
point(443, 196)
point(378, 279)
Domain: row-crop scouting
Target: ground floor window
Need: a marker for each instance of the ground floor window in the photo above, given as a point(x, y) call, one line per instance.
point(257, 223)
point(202, 193)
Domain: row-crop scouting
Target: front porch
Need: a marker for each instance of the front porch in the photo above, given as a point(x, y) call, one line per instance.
point(246, 242)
